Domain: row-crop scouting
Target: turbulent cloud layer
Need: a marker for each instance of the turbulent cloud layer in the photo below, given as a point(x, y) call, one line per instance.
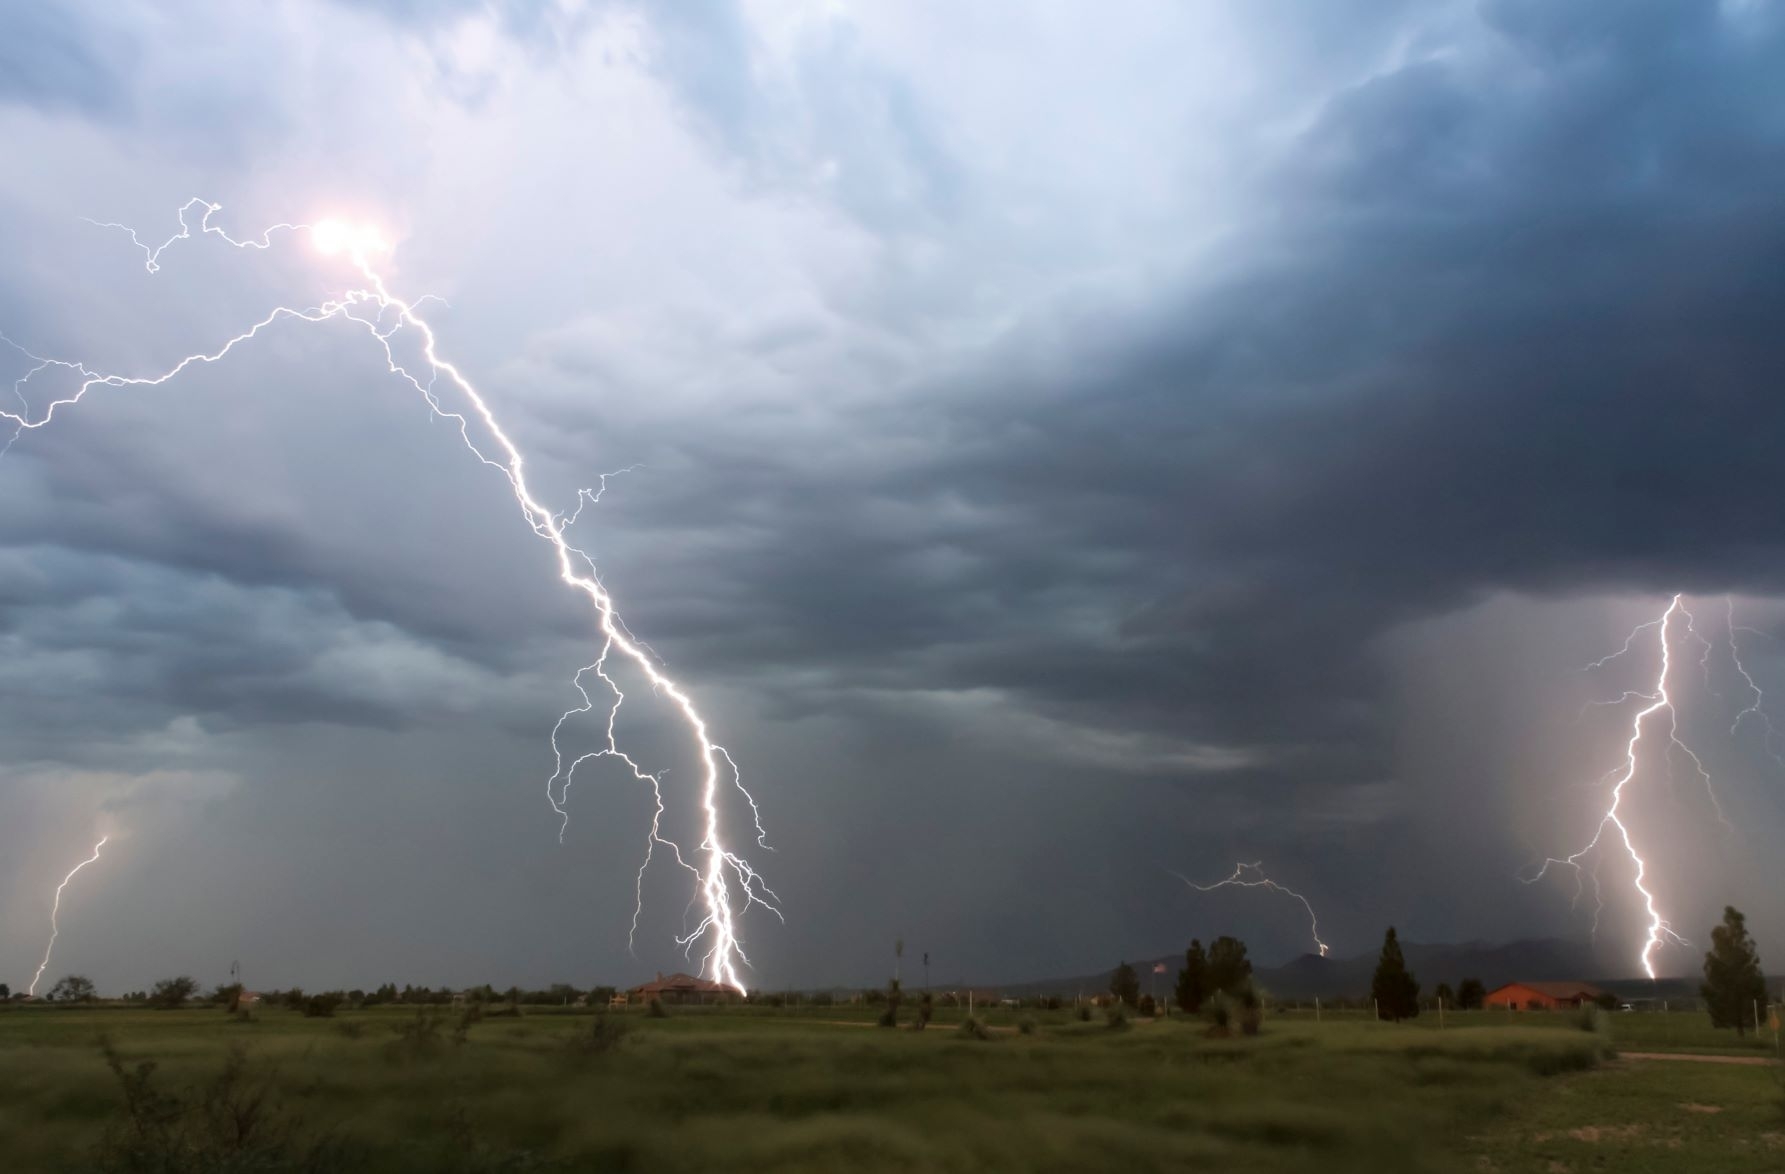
point(1067, 449)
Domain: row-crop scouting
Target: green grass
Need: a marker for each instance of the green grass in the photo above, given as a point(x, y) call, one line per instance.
point(815, 1089)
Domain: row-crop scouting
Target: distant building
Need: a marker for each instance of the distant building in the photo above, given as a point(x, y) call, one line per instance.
point(684, 988)
point(1542, 996)
point(618, 1000)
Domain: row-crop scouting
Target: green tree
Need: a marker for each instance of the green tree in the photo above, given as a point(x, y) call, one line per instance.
point(1229, 968)
point(1470, 994)
point(1394, 988)
point(1732, 980)
point(1446, 996)
point(73, 988)
point(1124, 985)
point(5, 992)
point(1193, 979)
point(170, 994)
point(228, 995)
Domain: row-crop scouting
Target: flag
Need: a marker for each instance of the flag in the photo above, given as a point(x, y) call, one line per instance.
point(1158, 968)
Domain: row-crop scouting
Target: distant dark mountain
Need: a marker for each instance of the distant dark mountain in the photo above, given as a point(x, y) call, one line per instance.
point(1310, 976)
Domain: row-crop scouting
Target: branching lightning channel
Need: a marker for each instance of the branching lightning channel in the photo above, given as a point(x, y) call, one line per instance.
point(1251, 876)
point(1657, 701)
point(55, 910)
point(725, 882)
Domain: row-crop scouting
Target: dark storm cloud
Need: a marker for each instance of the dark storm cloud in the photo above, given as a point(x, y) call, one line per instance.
point(1012, 535)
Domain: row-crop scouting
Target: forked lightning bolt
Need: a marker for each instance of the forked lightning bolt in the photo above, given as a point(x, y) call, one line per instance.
point(725, 883)
point(1657, 701)
point(55, 910)
point(1251, 876)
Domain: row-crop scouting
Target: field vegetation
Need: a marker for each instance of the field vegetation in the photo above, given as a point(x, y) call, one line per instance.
point(509, 1088)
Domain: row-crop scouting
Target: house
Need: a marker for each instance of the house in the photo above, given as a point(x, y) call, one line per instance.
point(1542, 996)
point(684, 988)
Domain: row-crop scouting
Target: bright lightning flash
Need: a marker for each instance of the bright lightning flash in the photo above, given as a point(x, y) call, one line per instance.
point(1251, 876)
point(725, 883)
point(1658, 701)
point(55, 909)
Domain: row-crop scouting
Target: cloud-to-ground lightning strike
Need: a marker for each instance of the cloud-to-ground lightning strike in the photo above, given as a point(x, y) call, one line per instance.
point(1251, 876)
point(725, 883)
point(1658, 700)
point(55, 910)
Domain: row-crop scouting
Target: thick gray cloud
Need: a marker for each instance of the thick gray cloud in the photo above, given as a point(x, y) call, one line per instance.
point(1066, 451)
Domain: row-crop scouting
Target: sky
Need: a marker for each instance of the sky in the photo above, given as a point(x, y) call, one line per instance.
point(1067, 446)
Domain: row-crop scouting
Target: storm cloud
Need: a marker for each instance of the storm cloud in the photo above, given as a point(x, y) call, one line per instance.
point(1063, 450)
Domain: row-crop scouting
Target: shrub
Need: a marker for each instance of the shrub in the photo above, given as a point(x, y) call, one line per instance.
point(603, 1035)
point(1250, 1001)
point(1116, 1018)
point(1026, 1025)
point(973, 1028)
point(170, 994)
point(1593, 1019)
point(321, 1006)
point(417, 1038)
point(656, 1009)
point(1084, 1013)
point(1218, 1010)
point(1147, 1007)
point(351, 1029)
point(925, 1008)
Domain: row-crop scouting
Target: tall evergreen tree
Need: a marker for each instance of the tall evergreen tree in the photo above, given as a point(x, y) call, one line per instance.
point(1229, 968)
point(1732, 981)
point(1124, 985)
point(1193, 979)
point(1470, 994)
point(1394, 988)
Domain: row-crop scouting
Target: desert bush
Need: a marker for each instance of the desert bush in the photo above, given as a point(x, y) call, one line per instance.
point(1116, 1018)
point(321, 1006)
point(351, 1029)
point(170, 994)
point(656, 1009)
point(603, 1034)
point(1084, 1013)
point(1218, 1009)
point(1026, 1025)
point(232, 1123)
point(1250, 1005)
point(1593, 1019)
point(925, 1008)
point(418, 1038)
point(973, 1027)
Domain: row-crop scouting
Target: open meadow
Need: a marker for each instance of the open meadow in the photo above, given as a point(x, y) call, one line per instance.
point(816, 1089)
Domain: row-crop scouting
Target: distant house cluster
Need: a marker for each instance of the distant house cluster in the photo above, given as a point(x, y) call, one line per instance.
point(1543, 996)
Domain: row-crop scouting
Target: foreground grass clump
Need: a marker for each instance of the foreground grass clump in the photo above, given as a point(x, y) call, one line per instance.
point(398, 1090)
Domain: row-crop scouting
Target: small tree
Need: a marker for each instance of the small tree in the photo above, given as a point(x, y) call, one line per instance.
point(1124, 985)
point(73, 988)
point(5, 992)
point(1732, 980)
point(1229, 968)
point(1470, 994)
point(1445, 996)
point(1394, 988)
point(228, 996)
point(1193, 979)
point(170, 994)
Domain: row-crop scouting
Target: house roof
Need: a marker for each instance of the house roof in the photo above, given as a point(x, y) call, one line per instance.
point(682, 984)
point(1556, 990)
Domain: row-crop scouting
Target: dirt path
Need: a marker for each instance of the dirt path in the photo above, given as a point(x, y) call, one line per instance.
point(1698, 1058)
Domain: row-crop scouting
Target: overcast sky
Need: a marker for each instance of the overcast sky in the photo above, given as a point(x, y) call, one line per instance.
point(1071, 444)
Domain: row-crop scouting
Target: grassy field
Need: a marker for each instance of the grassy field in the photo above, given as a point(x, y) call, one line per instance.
point(819, 1089)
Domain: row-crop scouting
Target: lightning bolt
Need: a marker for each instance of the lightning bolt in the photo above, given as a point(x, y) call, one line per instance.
point(1251, 876)
point(56, 908)
point(725, 884)
point(1753, 708)
point(1658, 700)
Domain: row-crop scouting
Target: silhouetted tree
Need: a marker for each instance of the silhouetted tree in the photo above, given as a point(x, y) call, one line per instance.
point(228, 995)
point(1124, 985)
point(5, 992)
point(1229, 968)
point(1193, 979)
point(170, 994)
point(1470, 994)
point(1732, 979)
point(1394, 988)
point(1446, 996)
point(73, 988)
